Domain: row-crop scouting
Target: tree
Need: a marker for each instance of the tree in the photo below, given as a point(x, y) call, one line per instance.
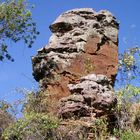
point(129, 66)
point(128, 95)
point(16, 24)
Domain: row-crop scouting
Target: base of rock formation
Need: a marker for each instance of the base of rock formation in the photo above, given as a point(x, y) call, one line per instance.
point(91, 95)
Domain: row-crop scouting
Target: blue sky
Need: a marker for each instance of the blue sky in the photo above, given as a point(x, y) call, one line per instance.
point(19, 73)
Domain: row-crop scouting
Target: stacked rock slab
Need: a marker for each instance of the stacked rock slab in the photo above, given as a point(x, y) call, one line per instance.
point(79, 65)
point(93, 95)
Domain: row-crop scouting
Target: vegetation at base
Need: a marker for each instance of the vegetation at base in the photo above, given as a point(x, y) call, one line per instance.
point(6, 119)
point(129, 135)
point(32, 126)
point(128, 114)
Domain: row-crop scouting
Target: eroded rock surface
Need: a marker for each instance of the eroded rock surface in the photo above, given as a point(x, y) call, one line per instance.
point(79, 65)
point(93, 95)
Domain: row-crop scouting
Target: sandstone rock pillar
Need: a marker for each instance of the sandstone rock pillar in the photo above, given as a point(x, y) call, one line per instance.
point(79, 65)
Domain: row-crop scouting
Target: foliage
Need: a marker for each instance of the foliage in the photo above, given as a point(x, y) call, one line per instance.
point(136, 116)
point(129, 65)
point(4, 106)
point(35, 124)
point(15, 24)
point(33, 103)
point(128, 112)
point(32, 126)
point(6, 119)
point(100, 129)
point(129, 135)
point(127, 94)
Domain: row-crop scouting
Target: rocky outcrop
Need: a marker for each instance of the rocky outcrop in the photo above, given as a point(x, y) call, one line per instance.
point(79, 65)
point(93, 95)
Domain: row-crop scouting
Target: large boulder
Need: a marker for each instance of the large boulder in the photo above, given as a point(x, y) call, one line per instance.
point(83, 46)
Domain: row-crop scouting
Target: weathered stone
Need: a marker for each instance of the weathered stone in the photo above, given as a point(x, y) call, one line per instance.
point(79, 64)
point(93, 91)
point(75, 98)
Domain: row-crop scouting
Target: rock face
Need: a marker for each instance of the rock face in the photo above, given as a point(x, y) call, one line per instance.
point(93, 95)
point(79, 65)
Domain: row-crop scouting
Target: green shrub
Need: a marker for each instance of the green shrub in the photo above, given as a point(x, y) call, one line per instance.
point(33, 126)
point(100, 129)
point(129, 135)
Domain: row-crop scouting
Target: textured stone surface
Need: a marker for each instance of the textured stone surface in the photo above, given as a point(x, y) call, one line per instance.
point(92, 95)
point(83, 42)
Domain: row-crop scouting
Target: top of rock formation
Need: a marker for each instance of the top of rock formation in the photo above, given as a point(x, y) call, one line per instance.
point(102, 22)
point(78, 25)
point(75, 31)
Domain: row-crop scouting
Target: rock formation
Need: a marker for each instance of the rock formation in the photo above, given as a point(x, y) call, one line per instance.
point(79, 65)
point(93, 95)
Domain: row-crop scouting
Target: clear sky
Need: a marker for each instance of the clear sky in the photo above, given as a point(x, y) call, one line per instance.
point(19, 73)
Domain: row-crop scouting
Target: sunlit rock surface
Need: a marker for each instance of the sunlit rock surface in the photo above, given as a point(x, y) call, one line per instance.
point(79, 65)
